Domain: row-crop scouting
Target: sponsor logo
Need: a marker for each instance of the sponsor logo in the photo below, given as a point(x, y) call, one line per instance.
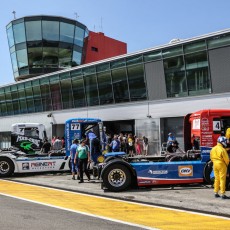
point(145, 182)
point(34, 141)
point(25, 166)
point(186, 170)
point(159, 172)
point(43, 165)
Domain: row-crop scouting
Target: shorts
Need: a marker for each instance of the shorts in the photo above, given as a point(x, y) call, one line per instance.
point(145, 147)
point(73, 166)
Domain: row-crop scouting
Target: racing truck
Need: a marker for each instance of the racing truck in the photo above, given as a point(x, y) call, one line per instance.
point(24, 156)
point(119, 171)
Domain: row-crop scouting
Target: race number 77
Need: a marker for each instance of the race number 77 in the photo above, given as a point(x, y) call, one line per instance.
point(75, 126)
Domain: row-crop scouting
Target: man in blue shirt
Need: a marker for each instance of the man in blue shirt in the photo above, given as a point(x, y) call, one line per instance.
point(73, 150)
point(115, 144)
point(171, 139)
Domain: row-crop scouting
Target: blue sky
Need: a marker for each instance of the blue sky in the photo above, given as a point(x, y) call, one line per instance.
point(141, 24)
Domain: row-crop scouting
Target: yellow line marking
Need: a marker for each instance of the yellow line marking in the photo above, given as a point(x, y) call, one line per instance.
point(134, 213)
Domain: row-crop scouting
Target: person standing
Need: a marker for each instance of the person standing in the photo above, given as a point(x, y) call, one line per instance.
point(46, 147)
point(130, 145)
point(170, 140)
point(145, 145)
point(83, 158)
point(115, 144)
point(220, 159)
point(137, 145)
point(57, 144)
point(73, 151)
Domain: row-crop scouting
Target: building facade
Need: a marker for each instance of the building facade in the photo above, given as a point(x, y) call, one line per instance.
point(149, 92)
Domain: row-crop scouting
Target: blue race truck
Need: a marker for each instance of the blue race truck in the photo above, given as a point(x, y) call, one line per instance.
point(119, 171)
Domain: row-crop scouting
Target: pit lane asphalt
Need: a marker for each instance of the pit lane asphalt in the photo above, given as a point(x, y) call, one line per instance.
point(196, 197)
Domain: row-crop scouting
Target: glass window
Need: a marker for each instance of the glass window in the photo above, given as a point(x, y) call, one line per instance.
point(219, 41)
point(134, 60)
point(152, 56)
point(19, 33)
point(172, 52)
point(14, 62)
point(89, 70)
point(35, 57)
point(197, 73)
point(10, 36)
point(91, 90)
point(50, 57)
point(45, 94)
point(194, 47)
point(136, 82)
point(50, 30)
point(78, 89)
point(76, 58)
point(105, 88)
point(22, 59)
point(29, 97)
point(3, 108)
point(79, 36)
point(117, 64)
point(120, 86)
point(65, 57)
point(176, 84)
point(66, 32)
point(8, 100)
point(66, 93)
point(14, 95)
point(103, 67)
point(55, 92)
point(34, 30)
point(37, 97)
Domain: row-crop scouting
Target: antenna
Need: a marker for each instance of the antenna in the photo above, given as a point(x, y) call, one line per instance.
point(14, 13)
point(101, 25)
point(76, 15)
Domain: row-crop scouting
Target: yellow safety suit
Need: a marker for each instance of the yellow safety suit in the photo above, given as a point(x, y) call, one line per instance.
point(227, 134)
point(220, 159)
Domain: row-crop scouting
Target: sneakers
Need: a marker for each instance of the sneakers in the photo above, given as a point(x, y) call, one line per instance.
point(216, 195)
point(73, 178)
point(81, 181)
point(224, 197)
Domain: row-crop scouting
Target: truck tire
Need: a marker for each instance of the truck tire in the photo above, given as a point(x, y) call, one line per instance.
point(116, 177)
point(6, 167)
point(207, 171)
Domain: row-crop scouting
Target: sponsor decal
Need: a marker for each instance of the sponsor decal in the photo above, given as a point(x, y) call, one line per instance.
point(159, 172)
point(30, 139)
point(145, 182)
point(25, 166)
point(43, 165)
point(186, 170)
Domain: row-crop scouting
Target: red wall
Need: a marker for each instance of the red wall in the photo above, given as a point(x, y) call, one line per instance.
point(105, 47)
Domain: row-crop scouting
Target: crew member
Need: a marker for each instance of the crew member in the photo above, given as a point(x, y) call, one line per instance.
point(220, 159)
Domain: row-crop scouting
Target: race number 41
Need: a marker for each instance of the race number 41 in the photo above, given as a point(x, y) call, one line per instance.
point(75, 126)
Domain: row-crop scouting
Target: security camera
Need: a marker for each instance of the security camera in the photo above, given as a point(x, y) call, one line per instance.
point(49, 115)
point(149, 116)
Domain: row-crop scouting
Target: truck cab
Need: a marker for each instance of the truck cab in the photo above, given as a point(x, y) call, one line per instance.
point(205, 126)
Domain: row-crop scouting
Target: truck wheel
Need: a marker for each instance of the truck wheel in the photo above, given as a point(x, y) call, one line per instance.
point(6, 167)
point(207, 172)
point(117, 177)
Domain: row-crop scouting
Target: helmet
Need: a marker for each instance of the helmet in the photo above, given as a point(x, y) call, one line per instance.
point(222, 140)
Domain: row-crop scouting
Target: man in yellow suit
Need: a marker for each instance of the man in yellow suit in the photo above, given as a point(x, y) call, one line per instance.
point(220, 159)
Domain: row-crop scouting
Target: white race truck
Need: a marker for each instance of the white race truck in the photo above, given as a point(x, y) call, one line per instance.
point(25, 156)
